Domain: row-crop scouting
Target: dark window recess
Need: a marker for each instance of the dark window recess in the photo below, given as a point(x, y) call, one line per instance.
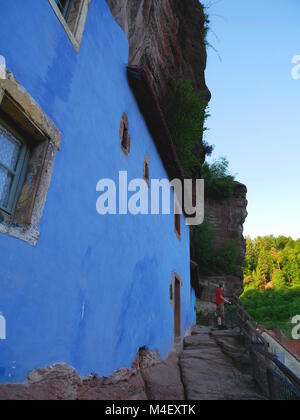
point(125, 139)
point(178, 225)
point(171, 291)
point(124, 134)
point(146, 170)
point(64, 7)
point(177, 308)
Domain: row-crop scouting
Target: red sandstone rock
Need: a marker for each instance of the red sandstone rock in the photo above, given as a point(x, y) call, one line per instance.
point(59, 382)
point(123, 385)
point(163, 381)
point(166, 38)
point(227, 218)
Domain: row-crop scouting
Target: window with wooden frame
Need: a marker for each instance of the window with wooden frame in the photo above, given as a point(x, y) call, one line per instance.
point(72, 14)
point(14, 158)
point(124, 135)
point(29, 142)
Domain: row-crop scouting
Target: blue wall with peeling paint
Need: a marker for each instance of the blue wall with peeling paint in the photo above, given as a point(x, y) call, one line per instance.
point(95, 288)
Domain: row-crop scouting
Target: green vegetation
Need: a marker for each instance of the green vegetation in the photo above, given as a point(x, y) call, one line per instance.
point(186, 115)
point(272, 281)
point(210, 260)
point(272, 263)
point(219, 183)
point(206, 28)
point(273, 308)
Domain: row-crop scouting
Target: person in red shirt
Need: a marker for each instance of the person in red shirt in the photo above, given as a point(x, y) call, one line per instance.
point(220, 301)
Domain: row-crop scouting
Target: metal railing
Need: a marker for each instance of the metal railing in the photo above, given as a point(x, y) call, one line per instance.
point(275, 380)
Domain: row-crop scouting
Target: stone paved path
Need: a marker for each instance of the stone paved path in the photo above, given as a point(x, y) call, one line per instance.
point(214, 366)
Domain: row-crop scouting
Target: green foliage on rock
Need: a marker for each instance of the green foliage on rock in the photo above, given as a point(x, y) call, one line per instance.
point(219, 183)
point(206, 27)
point(213, 261)
point(186, 115)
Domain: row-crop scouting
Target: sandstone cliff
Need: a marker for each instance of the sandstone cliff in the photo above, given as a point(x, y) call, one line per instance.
point(166, 37)
point(227, 218)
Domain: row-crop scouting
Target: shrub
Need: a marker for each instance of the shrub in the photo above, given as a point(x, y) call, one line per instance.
point(273, 308)
point(219, 183)
point(186, 114)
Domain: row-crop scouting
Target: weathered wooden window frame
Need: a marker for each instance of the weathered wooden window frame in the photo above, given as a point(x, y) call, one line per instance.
point(20, 114)
point(66, 9)
point(18, 175)
point(76, 35)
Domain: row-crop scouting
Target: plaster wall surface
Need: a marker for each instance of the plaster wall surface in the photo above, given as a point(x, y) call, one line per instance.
point(94, 289)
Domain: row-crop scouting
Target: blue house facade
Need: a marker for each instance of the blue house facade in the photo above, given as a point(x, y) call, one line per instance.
point(77, 287)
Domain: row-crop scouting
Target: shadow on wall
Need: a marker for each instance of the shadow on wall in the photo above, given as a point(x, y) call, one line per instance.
point(140, 311)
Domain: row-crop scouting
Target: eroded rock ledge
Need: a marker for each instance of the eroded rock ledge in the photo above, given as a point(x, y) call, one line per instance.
point(227, 218)
point(166, 38)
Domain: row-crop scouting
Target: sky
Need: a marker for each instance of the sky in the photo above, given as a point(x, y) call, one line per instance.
point(255, 107)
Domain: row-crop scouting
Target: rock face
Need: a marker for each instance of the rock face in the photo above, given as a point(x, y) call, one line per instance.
point(163, 381)
point(227, 218)
point(166, 38)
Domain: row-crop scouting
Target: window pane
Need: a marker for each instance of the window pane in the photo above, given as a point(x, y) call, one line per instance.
point(5, 185)
point(63, 6)
point(9, 149)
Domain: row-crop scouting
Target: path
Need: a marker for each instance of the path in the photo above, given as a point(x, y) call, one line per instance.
point(214, 366)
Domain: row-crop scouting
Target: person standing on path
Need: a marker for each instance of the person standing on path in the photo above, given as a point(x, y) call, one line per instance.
point(220, 301)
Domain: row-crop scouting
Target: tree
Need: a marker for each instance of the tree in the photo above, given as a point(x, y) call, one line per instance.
point(271, 261)
point(278, 280)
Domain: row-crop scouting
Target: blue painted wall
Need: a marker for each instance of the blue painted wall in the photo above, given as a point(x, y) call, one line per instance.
point(117, 268)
